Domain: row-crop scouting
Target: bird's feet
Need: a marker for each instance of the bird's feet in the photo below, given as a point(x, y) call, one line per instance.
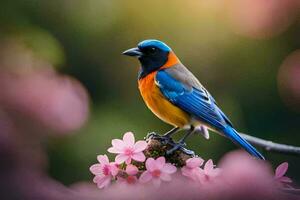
point(166, 140)
point(180, 146)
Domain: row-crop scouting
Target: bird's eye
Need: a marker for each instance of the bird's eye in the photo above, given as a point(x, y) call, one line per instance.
point(152, 50)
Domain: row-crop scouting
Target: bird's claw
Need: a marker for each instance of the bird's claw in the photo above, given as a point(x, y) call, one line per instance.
point(169, 141)
point(151, 135)
point(163, 139)
point(180, 146)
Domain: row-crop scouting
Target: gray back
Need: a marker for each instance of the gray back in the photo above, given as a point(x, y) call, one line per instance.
point(182, 74)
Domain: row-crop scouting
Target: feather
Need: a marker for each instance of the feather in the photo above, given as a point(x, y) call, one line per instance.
point(194, 99)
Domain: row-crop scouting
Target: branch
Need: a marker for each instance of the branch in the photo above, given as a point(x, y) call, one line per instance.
point(291, 191)
point(272, 146)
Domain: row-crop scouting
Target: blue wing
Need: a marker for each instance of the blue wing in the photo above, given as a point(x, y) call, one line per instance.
point(197, 102)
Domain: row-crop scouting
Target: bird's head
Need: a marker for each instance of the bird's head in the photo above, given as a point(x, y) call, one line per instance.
point(152, 54)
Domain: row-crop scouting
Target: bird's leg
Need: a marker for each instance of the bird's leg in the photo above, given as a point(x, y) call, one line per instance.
point(181, 144)
point(188, 133)
point(171, 132)
point(166, 138)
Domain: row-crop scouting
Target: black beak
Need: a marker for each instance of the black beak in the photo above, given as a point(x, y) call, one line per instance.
point(135, 52)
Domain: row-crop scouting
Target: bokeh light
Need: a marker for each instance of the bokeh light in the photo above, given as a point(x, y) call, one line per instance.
point(32, 87)
point(261, 19)
point(289, 81)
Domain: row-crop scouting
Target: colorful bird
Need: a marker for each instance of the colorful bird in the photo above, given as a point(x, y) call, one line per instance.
point(176, 96)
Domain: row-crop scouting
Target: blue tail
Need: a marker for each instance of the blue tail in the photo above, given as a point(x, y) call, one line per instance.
point(236, 138)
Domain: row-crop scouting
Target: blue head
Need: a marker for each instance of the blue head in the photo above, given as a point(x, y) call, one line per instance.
point(152, 55)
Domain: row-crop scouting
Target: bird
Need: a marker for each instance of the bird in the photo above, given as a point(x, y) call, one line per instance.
point(177, 97)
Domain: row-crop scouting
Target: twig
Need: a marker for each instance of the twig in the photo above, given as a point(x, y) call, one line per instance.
point(291, 191)
point(272, 146)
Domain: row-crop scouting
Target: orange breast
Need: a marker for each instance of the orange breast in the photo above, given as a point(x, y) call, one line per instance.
point(160, 106)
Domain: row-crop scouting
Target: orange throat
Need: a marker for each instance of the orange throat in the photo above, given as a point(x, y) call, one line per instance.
point(172, 60)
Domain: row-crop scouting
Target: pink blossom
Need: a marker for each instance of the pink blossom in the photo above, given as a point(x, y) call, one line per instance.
point(157, 170)
point(104, 171)
point(131, 170)
point(192, 168)
point(280, 172)
point(131, 178)
point(209, 170)
point(242, 177)
point(58, 103)
point(127, 149)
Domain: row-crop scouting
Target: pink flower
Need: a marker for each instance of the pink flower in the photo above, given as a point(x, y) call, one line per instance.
point(131, 178)
point(192, 168)
point(104, 171)
point(127, 149)
point(157, 170)
point(131, 170)
point(209, 170)
point(280, 172)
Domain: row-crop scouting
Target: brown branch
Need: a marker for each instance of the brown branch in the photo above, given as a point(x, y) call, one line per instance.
point(272, 146)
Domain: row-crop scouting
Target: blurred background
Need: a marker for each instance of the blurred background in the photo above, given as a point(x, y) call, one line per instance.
point(66, 90)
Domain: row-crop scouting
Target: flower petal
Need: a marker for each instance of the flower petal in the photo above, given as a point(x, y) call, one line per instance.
point(103, 159)
point(165, 177)
point(150, 164)
point(128, 139)
point(169, 168)
point(114, 170)
point(215, 172)
point(140, 146)
point(194, 162)
point(199, 174)
point(160, 162)
point(285, 179)
point(209, 165)
point(128, 160)
point(281, 169)
point(121, 158)
point(194, 174)
point(145, 177)
point(131, 170)
point(140, 157)
point(98, 179)
point(186, 171)
point(114, 150)
point(119, 144)
point(104, 182)
point(96, 169)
